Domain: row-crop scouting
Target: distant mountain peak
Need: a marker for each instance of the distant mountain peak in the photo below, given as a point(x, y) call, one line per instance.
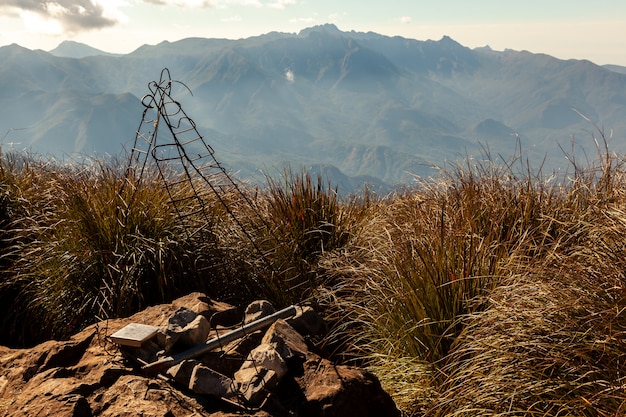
point(73, 49)
point(448, 41)
point(327, 27)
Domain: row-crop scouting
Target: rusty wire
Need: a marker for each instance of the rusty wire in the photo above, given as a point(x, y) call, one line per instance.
point(186, 152)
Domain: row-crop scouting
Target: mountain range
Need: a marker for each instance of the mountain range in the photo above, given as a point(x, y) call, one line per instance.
point(358, 107)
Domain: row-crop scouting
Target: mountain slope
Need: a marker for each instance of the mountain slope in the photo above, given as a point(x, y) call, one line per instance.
point(371, 105)
point(71, 49)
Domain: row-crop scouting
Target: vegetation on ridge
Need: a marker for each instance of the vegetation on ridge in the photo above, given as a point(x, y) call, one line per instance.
point(489, 291)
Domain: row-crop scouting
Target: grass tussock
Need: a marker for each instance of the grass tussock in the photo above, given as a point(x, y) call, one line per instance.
point(296, 220)
point(504, 293)
point(84, 243)
point(488, 291)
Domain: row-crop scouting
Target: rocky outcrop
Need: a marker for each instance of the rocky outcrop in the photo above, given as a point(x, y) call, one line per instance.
point(270, 372)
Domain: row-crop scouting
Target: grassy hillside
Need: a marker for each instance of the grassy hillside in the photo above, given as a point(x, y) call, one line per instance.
point(492, 290)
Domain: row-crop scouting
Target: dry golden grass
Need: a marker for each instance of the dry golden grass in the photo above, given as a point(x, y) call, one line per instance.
point(489, 293)
point(485, 292)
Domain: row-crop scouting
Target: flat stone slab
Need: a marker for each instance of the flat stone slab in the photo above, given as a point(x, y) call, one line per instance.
point(134, 334)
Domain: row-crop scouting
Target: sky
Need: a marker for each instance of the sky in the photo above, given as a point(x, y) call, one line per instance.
point(578, 29)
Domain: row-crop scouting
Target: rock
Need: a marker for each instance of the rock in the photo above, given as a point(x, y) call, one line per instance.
point(342, 391)
point(218, 313)
point(90, 376)
point(174, 329)
point(181, 372)
point(257, 310)
point(196, 332)
point(260, 373)
point(186, 327)
point(259, 385)
point(289, 344)
point(308, 322)
point(135, 395)
point(263, 356)
point(206, 381)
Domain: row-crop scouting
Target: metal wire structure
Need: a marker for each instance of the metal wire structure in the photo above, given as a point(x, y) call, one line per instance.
point(183, 159)
point(169, 138)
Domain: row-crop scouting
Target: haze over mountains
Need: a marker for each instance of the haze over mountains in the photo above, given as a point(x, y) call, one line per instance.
point(372, 107)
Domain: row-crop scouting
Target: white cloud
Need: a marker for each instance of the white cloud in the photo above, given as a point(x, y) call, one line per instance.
point(37, 23)
point(60, 16)
point(290, 76)
point(281, 4)
point(232, 19)
point(222, 4)
point(405, 20)
point(303, 20)
point(182, 3)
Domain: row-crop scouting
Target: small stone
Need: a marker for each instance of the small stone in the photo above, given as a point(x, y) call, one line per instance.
point(263, 356)
point(196, 332)
point(286, 341)
point(260, 373)
point(181, 372)
point(169, 335)
point(206, 381)
point(259, 385)
point(257, 310)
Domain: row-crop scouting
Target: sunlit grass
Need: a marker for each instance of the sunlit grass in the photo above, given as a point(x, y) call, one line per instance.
point(492, 290)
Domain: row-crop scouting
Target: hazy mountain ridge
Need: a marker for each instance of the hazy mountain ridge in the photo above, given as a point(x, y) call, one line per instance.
point(71, 49)
point(371, 105)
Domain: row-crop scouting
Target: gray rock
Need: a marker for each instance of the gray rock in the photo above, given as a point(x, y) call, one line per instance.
point(259, 386)
point(184, 326)
point(182, 371)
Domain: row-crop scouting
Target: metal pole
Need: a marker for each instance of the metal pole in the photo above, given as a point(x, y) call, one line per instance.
point(162, 364)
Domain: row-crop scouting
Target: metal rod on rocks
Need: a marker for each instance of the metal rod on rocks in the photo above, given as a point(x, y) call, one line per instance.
point(162, 364)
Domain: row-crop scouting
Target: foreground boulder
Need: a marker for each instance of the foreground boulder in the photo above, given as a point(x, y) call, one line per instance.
point(268, 373)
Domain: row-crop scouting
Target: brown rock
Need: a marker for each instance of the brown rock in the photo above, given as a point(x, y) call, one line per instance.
point(257, 310)
point(287, 342)
point(263, 356)
point(134, 396)
point(206, 381)
point(259, 385)
point(182, 371)
point(196, 332)
point(217, 312)
point(89, 376)
point(343, 391)
point(308, 322)
point(175, 328)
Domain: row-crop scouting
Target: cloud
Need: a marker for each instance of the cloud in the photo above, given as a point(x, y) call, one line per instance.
point(406, 20)
point(64, 15)
point(221, 4)
point(303, 20)
point(231, 19)
point(183, 3)
point(281, 4)
point(290, 76)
